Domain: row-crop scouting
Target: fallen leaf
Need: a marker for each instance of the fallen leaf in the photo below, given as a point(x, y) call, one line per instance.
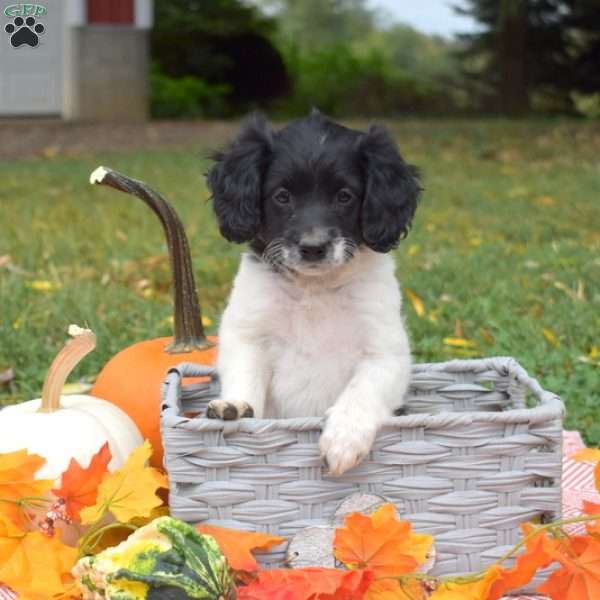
point(550, 337)
point(17, 481)
point(472, 590)
point(416, 301)
point(130, 491)
point(50, 151)
point(307, 584)
point(380, 542)
point(35, 566)
point(238, 545)
point(42, 285)
point(459, 342)
point(546, 201)
point(79, 486)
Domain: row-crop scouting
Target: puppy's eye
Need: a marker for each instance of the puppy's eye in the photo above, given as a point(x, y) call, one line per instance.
point(282, 196)
point(345, 197)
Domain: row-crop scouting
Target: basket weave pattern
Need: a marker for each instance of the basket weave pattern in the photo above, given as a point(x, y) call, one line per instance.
point(468, 462)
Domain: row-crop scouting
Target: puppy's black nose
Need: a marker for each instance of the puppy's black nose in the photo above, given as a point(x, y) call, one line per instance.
point(313, 253)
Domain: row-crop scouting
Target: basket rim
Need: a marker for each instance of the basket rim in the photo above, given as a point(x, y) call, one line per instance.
point(550, 406)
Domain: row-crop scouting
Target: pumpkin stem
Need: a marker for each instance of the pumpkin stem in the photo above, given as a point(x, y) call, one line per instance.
point(82, 342)
point(188, 330)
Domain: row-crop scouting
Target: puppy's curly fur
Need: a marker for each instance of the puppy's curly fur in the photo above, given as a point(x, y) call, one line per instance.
point(313, 324)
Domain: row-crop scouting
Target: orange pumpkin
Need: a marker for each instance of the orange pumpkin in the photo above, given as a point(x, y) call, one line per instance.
point(132, 378)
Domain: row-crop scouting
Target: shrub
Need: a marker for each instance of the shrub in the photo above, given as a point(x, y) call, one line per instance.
point(341, 81)
point(184, 97)
point(587, 105)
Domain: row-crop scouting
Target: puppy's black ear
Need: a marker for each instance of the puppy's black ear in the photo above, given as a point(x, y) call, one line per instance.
point(391, 191)
point(236, 181)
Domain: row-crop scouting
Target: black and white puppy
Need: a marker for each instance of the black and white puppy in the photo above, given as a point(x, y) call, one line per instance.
point(313, 325)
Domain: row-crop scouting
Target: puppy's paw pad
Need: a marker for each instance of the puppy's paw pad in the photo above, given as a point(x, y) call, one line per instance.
point(228, 411)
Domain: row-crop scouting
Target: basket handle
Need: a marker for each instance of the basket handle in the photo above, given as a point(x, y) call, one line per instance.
point(171, 389)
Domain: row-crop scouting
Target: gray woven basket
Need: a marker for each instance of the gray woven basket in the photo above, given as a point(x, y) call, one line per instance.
point(468, 462)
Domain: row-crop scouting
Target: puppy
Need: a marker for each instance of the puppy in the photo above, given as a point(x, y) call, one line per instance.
point(313, 324)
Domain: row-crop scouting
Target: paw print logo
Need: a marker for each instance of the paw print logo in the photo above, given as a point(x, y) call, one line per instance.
point(24, 31)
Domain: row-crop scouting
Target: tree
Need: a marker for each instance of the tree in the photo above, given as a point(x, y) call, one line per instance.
point(220, 42)
point(320, 23)
point(527, 47)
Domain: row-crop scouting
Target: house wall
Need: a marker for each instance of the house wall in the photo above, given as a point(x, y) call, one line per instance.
point(31, 76)
point(108, 74)
point(107, 61)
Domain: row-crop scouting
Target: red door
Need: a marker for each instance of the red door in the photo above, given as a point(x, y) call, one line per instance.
point(110, 11)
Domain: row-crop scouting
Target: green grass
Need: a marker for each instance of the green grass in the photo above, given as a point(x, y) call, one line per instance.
point(505, 252)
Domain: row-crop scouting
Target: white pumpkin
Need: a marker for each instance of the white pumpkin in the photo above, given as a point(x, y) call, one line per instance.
point(60, 428)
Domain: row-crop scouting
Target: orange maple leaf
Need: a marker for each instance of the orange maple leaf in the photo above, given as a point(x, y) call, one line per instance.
point(540, 551)
point(471, 590)
point(381, 542)
point(579, 576)
point(308, 584)
point(238, 545)
point(17, 482)
point(79, 486)
point(130, 491)
point(391, 589)
point(34, 565)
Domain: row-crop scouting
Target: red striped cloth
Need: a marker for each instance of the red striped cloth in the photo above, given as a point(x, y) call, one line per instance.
point(578, 485)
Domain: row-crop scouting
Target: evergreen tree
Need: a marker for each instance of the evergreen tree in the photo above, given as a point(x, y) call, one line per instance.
point(547, 47)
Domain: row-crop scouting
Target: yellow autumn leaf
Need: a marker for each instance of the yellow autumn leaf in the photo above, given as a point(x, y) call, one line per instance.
point(458, 342)
point(17, 481)
point(414, 249)
point(587, 455)
point(470, 590)
point(129, 492)
point(594, 353)
point(416, 301)
point(392, 589)
point(550, 337)
point(42, 285)
point(36, 566)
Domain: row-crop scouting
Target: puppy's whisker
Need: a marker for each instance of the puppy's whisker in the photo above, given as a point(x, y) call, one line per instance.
point(273, 253)
point(349, 248)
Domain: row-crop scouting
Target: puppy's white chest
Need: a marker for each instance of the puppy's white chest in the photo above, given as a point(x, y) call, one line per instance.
point(314, 344)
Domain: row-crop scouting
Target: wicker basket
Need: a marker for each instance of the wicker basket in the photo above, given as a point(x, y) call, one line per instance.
point(468, 462)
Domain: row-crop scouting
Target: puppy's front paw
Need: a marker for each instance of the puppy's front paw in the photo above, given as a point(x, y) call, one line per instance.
point(345, 442)
point(228, 410)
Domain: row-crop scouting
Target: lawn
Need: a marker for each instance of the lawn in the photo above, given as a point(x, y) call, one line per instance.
point(504, 253)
